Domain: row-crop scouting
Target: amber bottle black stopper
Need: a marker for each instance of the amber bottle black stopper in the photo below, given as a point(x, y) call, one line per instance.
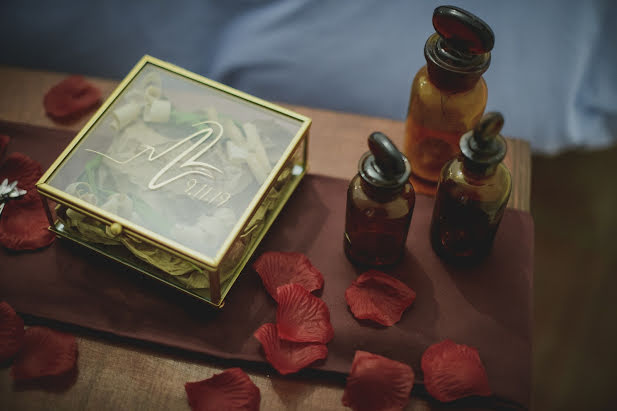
point(459, 52)
point(484, 146)
point(384, 165)
point(462, 31)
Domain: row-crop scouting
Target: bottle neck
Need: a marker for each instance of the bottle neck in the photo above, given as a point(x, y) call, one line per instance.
point(451, 81)
point(379, 194)
point(452, 70)
point(477, 172)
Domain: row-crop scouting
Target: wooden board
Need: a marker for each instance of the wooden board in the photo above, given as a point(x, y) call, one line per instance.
point(129, 375)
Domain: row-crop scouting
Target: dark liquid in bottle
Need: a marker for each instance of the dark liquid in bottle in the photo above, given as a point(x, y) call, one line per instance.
point(373, 237)
point(461, 230)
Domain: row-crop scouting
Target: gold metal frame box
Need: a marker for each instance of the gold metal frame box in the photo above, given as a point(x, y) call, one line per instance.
point(178, 177)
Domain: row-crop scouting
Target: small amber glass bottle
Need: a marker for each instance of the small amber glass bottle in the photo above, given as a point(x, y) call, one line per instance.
point(472, 195)
point(380, 202)
point(448, 95)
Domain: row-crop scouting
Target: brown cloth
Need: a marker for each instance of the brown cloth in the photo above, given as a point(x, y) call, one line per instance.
point(487, 307)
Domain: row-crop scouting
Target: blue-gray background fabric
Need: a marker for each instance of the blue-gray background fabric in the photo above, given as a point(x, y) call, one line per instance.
point(553, 71)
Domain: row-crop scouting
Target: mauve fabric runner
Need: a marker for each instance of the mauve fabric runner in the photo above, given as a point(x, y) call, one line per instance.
point(487, 307)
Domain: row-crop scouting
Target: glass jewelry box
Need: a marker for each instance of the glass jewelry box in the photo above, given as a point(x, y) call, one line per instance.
point(178, 177)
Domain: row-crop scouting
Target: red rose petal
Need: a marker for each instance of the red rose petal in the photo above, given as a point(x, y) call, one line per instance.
point(302, 317)
point(230, 390)
point(24, 226)
point(4, 142)
point(279, 268)
point(379, 297)
point(45, 352)
point(377, 383)
point(71, 98)
point(286, 356)
point(11, 332)
point(26, 171)
point(453, 371)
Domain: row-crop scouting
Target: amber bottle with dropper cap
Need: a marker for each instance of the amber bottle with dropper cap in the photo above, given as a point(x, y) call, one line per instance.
point(472, 195)
point(448, 95)
point(380, 202)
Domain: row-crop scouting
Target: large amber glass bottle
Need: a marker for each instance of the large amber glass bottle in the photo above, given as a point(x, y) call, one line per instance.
point(448, 95)
point(472, 195)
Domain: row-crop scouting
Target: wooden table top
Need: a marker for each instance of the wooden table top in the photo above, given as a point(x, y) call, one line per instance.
point(117, 374)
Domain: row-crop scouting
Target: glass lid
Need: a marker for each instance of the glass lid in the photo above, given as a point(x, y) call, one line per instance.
point(179, 158)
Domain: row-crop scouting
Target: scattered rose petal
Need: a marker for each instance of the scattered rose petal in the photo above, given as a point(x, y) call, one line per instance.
point(286, 356)
point(11, 332)
point(230, 390)
point(279, 268)
point(302, 317)
point(4, 142)
point(71, 98)
point(24, 226)
point(26, 171)
point(45, 352)
point(379, 297)
point(377, 383)
point(453, 371)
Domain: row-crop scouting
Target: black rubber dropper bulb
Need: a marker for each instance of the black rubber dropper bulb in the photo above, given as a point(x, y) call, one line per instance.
point(385, 166)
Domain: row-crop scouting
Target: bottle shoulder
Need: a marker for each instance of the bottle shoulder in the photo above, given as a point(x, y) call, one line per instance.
point(495, 188)
point(395, 203)
point(425, 89)
point(433, 109)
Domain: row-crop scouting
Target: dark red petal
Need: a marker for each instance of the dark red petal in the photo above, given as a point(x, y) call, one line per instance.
point(278, 268)
point(45, 352)
point(26, 171)
point(453, 371)
point(230, 390)
point(11, 332)
point(286, 356)
point(377, 383)
point(379, 297)
point(302, 317)
point(4, 142)
point(24, 226)
point(71, 98)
